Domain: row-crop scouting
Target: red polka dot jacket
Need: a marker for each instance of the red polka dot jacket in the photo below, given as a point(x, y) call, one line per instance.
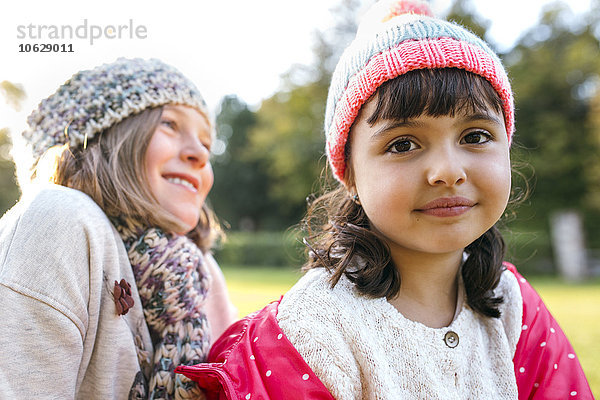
point(247, 360)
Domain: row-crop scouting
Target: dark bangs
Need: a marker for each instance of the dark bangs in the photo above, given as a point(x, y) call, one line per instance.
point(435, 92)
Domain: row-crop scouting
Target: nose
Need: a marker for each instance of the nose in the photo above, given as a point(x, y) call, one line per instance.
point(195, 152)
point(446, 168)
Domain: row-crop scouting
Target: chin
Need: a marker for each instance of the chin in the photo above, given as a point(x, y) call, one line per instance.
point(445, 247)
point(187, 222)
point(188, 226)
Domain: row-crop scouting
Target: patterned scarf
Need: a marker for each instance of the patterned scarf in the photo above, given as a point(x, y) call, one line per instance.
point(172, 282)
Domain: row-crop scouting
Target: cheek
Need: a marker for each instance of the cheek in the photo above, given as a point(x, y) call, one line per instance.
point(150, 169)
point(496, 179)
point(155, 153)
point(384, 189)
point(208, 178)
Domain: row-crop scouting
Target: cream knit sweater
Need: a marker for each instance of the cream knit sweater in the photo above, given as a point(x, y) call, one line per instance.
point(363, 348)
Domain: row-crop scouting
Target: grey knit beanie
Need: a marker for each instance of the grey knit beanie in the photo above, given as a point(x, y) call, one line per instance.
point(94, 100)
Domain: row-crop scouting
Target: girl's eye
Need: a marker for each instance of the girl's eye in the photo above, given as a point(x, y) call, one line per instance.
point(477, 137)
point(402, 146)
point(168, 123)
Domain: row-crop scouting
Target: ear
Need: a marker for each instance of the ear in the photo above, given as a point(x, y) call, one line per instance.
point(349, 178)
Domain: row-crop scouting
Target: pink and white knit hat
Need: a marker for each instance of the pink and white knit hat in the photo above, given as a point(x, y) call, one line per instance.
point(398, 36)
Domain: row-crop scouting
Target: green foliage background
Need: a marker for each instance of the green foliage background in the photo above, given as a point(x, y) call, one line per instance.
point(274, 154)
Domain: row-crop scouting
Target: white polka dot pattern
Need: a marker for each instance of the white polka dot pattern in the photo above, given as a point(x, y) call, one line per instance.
point(261, 364)
point(544, 353)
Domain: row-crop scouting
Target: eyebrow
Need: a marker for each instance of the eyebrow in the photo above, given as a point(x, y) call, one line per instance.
point(388, 125)
point(393, 124)
point(483, 117)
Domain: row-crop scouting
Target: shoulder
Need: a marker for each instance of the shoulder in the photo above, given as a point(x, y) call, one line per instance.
point(530, 301)
point(327, 326)
point(511, 308)
point(313, 304)
point(54, 215)
point(510, 290)
point(52, 242)
point(314, 290)
point(530, 297)
point(59, 204)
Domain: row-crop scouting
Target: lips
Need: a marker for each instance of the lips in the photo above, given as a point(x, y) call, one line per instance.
point(447, 206)
point(184, 180)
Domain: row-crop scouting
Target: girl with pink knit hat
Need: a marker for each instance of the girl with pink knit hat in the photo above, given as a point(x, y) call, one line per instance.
point(406, 294)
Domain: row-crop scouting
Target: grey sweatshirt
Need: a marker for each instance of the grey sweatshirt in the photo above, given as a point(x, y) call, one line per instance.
point(60, 336)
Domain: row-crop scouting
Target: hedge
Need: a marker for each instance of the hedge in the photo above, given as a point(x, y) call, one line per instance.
point(531, 252)
point(279, 249)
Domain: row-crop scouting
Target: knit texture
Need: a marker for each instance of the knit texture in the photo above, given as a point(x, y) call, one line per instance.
point(389, 44)
point(363, 348)
point(172, 282)
point(94, 100)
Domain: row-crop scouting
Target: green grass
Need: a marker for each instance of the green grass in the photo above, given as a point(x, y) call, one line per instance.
point(251, 288)
point(576, 307)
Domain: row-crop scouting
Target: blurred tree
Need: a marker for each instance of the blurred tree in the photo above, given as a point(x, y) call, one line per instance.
point(555, 69)
point(13, 95)
point(463, 12)
point(288, 142)
point(593, 195)
point(238, 195)
point(593, 198)
point(9, 191)
point(288, 139)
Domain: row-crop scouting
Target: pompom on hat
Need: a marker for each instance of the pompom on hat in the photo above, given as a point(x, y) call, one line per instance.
point(394, 38)
point(94, 100)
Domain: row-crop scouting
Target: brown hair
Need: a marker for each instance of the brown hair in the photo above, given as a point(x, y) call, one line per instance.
point(338, 231)
point(110, 169)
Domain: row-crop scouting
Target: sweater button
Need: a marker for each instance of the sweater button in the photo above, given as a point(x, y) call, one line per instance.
point(451, 339)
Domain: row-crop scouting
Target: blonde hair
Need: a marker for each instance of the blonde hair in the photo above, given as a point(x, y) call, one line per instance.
point(110, 169)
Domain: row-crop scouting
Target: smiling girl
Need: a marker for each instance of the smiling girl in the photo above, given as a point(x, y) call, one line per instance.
point(106, 279)
point(406, 295)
